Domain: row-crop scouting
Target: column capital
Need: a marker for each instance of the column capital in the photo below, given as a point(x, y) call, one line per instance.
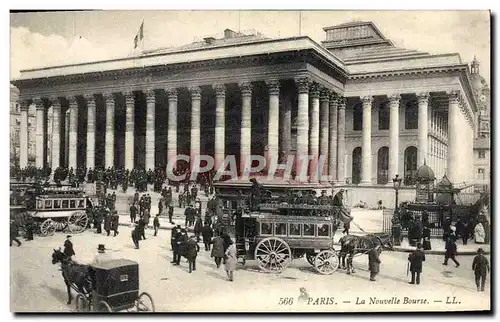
point(341, 102)
point(314, 90)
point(324, 95)
point(24, 104)
point(38, 103)
point(394, 99)
point(89, 98)
point(195, 92)
point(109, 98)
point(273, 86)
point(303, 84)
point(55, 101)
point(150, 95)
point(129, 97)
point(423, 98)
point(367, 101)
point(220, 90)
point(171, 93)
point(72, 101)
point(246, 89)
point(333, 96)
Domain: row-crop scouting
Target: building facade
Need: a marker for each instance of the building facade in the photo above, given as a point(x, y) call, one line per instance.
point(371, 109)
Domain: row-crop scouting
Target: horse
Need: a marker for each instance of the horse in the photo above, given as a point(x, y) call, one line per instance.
point(353, 244)
point(73, 273)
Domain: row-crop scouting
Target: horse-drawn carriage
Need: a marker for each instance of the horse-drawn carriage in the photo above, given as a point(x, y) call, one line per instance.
point(50, 208)
point(109, 286)
point(280, 229)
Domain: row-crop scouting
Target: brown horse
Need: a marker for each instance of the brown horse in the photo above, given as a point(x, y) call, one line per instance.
point(73, 273)
point(353, 244)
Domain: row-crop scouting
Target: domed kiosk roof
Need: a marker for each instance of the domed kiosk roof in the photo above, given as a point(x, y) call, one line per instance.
point(425, 174)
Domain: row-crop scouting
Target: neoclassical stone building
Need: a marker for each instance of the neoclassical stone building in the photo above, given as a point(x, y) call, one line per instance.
point(372, 109)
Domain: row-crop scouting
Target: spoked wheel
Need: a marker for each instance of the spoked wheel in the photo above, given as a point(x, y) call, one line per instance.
point(310, 258)
point(273, 254)
point(48, 228)
point(145, 303)
point(102, 306)
point(326, 262)
point(81, 303)
point(77, 222)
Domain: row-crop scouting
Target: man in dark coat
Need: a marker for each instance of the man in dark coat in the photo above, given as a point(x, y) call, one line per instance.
point(14, 231)
point(192, 250)
point(256, 193)
point(68, 247)
point(133, 213)
point(136, 235)
point(170, 214)
point(180, 247)
point(156, 224)
point(416, 258)
point(173, 241)
point(30, 227)
point(107, 224)
point(190, 214)
point(114, 223)
point(198, 227)
point(141, 228)
point(207, 233)
point(218, 250)
point(481, 267)
point(451, 250)
point(374, 262)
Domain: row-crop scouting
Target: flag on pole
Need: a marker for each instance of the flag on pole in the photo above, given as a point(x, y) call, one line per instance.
point(140, 35)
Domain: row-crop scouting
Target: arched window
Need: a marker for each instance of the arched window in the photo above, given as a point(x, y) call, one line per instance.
point(357, 117)
point(383, 165)
point(410, 165)
point(383, 117)
point(356, 165)
point(411, 116)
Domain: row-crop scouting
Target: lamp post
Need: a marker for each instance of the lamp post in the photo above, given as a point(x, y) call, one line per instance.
point(397, 184)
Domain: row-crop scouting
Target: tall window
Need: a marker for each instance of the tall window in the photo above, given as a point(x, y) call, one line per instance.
point(480, 174)
point(383, 165)
point(411, 115)
point(357, 118)
point(482, 154)
point(356, 165)
point(410, 165)
point(383, 117)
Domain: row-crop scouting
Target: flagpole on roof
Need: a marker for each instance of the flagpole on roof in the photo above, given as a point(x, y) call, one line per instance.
point(300, 23)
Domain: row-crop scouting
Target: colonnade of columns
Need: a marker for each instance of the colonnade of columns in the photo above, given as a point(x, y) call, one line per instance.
point(321, 128)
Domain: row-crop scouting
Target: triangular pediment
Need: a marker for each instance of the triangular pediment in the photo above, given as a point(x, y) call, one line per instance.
point(354, 34)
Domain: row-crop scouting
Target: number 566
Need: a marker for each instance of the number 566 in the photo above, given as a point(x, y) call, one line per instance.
point(285, 301)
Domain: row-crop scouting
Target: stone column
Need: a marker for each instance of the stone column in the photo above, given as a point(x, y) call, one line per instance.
point(324, 131)
point(394, 137)
point(246, 124)
point(73, 133)
point(341, 102)
point(150, 129)
point(220, 125)
point(286, 124)
point(454, 145)
point(314, 133)
point(91, 124)
point(423, 99)
point(332, 137)
point(39, 137)
point(129, 130)
point(273, 121)
point(366, 170)
point(195, 124)
point(172, 125)
point(23, 135)
point(303, 85)
point(110, 130)
point(56, 132)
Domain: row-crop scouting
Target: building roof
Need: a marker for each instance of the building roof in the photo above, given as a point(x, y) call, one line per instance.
point(425, 174)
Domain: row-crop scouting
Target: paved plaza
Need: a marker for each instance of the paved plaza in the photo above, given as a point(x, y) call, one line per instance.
point(37, 284)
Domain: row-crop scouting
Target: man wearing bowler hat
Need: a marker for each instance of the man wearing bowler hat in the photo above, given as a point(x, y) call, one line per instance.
point(68, 247)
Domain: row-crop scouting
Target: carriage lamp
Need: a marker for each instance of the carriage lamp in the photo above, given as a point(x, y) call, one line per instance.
point(397, 184)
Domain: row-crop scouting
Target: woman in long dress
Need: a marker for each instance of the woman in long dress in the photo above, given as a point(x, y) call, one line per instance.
point(479, 233)
point(231, 260)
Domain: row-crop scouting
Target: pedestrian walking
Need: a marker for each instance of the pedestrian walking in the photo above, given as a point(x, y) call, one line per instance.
point(14, 231)
point(231, 261)
point(133, 213)
point(207, 234)
point(170, 214)
point(479, 233)
point(192, 250)
point(416, 258)
point(451, 250)
point(136, 235)
point(141, 228)
point(156, 224)
point(107, 224)
point(480, 267)
point(198, 227)
point(173, 241)
point(374, 262)
point(68, 247)
point(217, 250)
point(115, 219)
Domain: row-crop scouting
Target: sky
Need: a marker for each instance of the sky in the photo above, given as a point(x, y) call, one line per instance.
point(56, 38)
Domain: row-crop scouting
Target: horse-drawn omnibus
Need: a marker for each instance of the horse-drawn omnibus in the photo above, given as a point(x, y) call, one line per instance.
point(50, 208)
point(285, 225)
